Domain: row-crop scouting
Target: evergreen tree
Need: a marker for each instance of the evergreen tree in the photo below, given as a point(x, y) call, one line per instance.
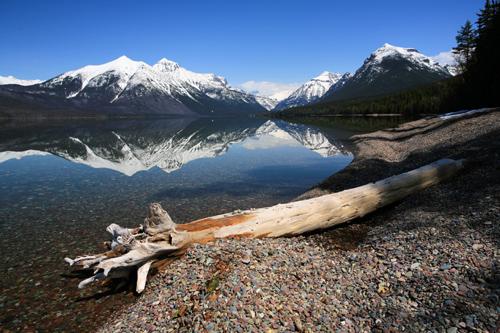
point(486, 15)
point(466, 41)
point(483, 74)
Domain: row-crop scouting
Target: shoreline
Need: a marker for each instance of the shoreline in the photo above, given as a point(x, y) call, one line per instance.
point(386, 152)
point(426, 263)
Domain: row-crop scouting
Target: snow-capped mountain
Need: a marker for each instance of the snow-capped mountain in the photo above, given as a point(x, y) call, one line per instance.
point(387, 70)
point(267, 102)
point(311, 91)
point(340, 83)
point(13, 80)
point(165, 145)
point(134, 87)
point(452, 69)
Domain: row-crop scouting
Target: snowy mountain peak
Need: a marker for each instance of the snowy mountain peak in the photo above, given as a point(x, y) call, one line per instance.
point(310, 91)
point(268, 103)
point(165, 65)
point(122, 64)
point(411, 54)
point(388, 50)
point(123, 68)
point(165, 87)
point(13, 80)
point(328, 76)
point(123, 59)
point(387, 70)
point(389, 47)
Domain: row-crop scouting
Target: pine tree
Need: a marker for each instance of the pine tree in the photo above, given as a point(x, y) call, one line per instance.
point(484, 73)
point(466, 42)
point(485, 16)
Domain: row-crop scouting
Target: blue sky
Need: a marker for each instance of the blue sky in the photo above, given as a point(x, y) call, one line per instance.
point(276, 41)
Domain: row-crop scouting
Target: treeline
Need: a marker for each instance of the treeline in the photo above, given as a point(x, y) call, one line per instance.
point(478, 84)
point(482, 68)
point(435, 98)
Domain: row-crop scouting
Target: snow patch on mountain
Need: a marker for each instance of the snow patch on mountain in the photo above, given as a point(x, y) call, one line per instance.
point(340, 83)
point(165, 65)
point(310, 91)
point(123, 68)
point(267, 102)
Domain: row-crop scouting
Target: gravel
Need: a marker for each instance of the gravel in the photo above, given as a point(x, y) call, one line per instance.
point(427, 264)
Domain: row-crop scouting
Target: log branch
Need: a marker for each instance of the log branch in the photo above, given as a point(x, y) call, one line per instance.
point(160, 239)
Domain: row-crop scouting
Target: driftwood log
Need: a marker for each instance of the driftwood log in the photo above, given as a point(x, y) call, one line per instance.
point(159, 239)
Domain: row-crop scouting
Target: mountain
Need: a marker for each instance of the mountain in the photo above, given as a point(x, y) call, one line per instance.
point(388, 70)
point(131, 147)
point(12, 80)
point(268, 103)
point(311, 91)
point(125, 86)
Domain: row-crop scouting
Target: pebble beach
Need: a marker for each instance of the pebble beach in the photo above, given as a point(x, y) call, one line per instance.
point(429, 263)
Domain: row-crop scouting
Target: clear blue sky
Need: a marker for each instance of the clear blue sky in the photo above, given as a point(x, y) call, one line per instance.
point(280, 41)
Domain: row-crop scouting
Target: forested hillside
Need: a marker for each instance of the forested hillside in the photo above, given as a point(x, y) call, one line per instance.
point(477, 53)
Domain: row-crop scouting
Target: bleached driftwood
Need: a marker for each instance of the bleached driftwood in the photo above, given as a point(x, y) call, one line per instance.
point(159, 238)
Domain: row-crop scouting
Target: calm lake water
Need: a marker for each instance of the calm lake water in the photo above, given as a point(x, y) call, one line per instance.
point(61, 184)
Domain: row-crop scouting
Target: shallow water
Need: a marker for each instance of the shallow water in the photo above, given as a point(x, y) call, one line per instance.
point(61, 184)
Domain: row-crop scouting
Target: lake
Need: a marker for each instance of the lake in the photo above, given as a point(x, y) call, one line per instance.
point(62, 183)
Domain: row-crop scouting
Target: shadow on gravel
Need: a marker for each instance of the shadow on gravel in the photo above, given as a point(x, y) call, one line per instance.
point(439, 225)
point(449, 308)
point(482, 150)
point(460, 198)
point(108, 288)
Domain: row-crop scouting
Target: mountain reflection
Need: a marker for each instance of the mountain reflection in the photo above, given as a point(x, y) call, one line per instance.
point(137, 145)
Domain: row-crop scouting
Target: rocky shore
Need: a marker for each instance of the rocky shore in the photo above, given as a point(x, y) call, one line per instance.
point(427, 264)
